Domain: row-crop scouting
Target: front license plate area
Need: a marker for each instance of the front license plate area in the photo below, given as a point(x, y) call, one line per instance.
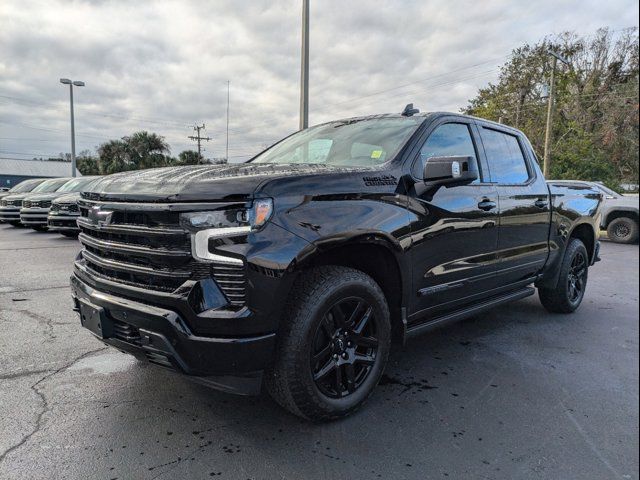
point(94, 319)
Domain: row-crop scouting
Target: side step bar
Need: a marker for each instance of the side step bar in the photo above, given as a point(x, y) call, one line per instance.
point(468, 312)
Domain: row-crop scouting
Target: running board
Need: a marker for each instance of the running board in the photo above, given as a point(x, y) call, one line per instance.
point(469, 311)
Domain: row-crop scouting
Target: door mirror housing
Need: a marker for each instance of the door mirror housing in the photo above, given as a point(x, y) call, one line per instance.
point(450, 170)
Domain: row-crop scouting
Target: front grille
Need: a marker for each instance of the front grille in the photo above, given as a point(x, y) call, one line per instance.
point(149, 249)
point(36, 204)
point(65, 207)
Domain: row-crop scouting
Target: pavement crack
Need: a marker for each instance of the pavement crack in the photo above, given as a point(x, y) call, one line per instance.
point(28, 373)
point(45, 403)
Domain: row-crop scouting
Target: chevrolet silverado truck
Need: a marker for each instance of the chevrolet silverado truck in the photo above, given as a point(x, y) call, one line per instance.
point(298, 268)
point(11, 206)
point(63, 215)
point(35, 207)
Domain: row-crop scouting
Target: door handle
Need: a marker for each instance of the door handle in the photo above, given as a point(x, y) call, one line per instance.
point(487, 205)
point(541, 203)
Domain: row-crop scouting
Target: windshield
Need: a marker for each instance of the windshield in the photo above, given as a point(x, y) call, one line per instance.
point(25, 186)
point(607, 190)
point(357, 142)
point(76, 185)
point(50, 185)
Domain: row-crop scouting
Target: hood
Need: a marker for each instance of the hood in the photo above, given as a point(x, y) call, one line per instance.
point(67, 198)
point(198, 182)
point(39, 197)
point(622, 201)
point(18, 197)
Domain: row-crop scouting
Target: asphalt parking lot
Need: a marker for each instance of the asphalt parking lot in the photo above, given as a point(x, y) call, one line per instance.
point(513, 393)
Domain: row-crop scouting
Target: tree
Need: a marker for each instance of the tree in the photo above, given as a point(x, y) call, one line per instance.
point(87, 164)
point(189, 157)
point(137, 151)
point(595, 128)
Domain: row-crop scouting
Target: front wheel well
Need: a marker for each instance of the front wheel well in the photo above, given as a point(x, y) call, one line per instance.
point(615, 214)
point(584, 232)
point(380, 264)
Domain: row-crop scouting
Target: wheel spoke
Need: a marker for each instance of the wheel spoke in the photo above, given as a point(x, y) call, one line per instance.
point(363, 322)
point(351, 377)
point(364, 359)
point(326, 328)
point(322, 354)
point(324, 371)
point(364, 341)
point(354, 315)
point(339, 385)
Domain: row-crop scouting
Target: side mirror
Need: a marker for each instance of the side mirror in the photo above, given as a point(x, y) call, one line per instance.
point(450, 170)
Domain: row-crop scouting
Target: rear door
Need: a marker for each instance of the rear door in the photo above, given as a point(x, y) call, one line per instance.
point(453, 228)
point(524, 200)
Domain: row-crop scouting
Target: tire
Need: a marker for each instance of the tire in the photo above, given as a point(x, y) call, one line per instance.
point(319, 384)
point(69, 234)
point(40, 228)
point(572, 283)
point(16, 224)
point(623, 230)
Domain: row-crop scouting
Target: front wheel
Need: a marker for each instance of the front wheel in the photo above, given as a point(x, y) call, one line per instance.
point(333, 344)
point(572, 283)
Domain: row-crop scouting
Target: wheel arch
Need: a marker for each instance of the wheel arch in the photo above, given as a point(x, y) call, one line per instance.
point(376, 256)
point(619, 213)
point(586, 233)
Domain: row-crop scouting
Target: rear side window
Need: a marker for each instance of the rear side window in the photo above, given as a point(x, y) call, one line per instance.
point(448, 140)
point(505, 157)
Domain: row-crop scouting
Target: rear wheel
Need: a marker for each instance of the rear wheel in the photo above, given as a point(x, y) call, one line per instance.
point(333, 344)
point(572, 283)
point(623, 230)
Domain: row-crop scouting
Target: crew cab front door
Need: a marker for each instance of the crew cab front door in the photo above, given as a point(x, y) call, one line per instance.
point(453, 227)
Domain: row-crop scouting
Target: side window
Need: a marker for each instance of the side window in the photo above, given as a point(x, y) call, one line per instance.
point(448, 140)
point(505, 157)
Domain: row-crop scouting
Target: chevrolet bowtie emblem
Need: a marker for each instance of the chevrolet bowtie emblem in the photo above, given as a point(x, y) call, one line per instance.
point(102, 218)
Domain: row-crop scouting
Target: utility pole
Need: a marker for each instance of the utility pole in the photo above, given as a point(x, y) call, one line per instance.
point(228, 89)
point(550, 106)
point(198, 137)
point(304, 74)
point(77, 83)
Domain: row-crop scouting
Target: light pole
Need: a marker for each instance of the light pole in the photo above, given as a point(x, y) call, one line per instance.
point(550, 105)
point(71, 84)
point(304, 74)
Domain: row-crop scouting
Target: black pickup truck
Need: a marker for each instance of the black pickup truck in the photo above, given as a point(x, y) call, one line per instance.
point(297, 269)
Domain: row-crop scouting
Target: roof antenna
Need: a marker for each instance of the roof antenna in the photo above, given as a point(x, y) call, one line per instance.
point(409, 110)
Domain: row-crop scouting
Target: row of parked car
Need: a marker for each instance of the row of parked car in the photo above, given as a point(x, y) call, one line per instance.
point(45, 204)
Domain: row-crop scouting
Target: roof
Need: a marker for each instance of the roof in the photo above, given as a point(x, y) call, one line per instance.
point(35, 168)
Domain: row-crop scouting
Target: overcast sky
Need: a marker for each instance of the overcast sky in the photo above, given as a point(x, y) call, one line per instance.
point(162, 66)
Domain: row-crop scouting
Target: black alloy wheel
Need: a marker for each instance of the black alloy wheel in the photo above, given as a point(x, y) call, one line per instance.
point(333, 343)
point(568, 293)
point(345, 348)
point(577, 277)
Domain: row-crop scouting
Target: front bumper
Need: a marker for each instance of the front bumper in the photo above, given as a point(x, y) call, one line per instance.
point(162, 337)
point(63, 221)
point(10, 214)
point(34, 217)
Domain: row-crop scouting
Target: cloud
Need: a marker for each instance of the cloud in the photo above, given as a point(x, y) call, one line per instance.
point(163, 66)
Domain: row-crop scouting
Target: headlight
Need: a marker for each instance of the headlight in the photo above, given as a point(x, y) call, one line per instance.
point(220, 224)
point(260, 212)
